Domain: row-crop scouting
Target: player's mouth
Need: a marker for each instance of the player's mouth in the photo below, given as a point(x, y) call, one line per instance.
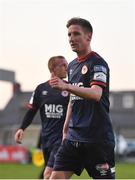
point(74, 45)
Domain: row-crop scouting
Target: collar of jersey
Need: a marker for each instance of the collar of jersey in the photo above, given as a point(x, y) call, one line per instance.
point(84, 58)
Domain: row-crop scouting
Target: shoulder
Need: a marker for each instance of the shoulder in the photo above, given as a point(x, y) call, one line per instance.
point(99, 62)
point(42, 86)
point(100, 59)
point(72, 62)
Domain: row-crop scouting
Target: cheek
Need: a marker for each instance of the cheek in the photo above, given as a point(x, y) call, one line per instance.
point(60, 71)
point(81, 40)
point(81, 44)
point(63, 71)
point(84, 42)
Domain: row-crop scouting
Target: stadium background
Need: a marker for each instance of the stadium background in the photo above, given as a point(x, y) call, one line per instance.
point(30, 34)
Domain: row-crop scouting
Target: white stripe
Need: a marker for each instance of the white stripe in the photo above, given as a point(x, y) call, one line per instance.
point(112, 169)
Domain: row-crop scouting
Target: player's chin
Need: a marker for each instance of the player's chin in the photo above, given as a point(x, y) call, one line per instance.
point(64, 76)
point(74, 49)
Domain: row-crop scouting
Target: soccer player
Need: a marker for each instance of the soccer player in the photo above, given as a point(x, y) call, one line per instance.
point(88, 139)
point(52, 104)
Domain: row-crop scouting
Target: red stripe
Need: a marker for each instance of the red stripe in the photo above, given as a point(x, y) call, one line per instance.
point(97, 83)
point(84, 58)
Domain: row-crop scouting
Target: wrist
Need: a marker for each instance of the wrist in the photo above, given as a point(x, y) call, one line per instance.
point(21, 129)
point(65, 131)
point(67, 86)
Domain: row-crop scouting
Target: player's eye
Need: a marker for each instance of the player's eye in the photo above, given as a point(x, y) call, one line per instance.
point(76, 33)
point(69, 34)
point(61, 65)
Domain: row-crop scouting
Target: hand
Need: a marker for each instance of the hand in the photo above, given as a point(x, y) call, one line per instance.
point(19, 136)
point(57, 83)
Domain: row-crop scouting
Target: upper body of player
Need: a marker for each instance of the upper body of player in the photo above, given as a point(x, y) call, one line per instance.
point(51, 103)
point(90, 120)
point(87, 117)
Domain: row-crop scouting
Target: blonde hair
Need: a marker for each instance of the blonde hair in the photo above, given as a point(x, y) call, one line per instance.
point(53, 62)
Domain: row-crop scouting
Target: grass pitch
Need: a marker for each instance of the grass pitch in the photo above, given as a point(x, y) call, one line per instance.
point(29, 171)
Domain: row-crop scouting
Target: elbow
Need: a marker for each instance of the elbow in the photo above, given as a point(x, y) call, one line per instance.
point(97, 93)
point(97, 97)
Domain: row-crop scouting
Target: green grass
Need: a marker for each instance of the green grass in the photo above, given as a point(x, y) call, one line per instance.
point(29, 171)
point(19, 171)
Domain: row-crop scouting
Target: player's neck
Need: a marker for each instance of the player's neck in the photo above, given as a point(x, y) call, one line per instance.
point(54, 75)
point(84, 53)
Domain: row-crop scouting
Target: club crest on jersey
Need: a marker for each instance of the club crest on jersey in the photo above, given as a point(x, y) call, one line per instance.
point(44, 93)
point(64, 93)
point(84, 69)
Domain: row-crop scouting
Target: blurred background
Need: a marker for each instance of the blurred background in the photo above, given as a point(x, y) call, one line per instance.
point(31, 31)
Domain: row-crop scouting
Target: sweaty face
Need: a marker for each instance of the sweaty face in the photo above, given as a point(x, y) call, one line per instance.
point(79, 39)
point(60, 68)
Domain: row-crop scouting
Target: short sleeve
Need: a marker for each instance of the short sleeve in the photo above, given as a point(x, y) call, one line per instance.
point(99, 75)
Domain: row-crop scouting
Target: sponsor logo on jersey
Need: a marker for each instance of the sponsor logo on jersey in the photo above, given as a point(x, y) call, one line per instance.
point(100, 76)
point(80, 84)
point(64, 93)
point(73, 97)
point(44, 93)
point(99, 68)
point(53, 110)
point(84, 69)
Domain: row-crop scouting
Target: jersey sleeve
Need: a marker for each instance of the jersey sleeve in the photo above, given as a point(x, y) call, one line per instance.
point(99, 75)
point(33, 102)
point(32, 110)
point(28, 118)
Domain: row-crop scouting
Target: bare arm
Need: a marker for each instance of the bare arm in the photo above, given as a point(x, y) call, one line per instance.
point(68, 117)
point(94, 92)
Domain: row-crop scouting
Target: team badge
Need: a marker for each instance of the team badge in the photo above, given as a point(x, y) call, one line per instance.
point(64, 93)
point(84, 69)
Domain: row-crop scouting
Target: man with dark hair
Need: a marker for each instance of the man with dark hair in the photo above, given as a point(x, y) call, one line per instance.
point(52, 104)
point(82, 22)
point(88, 139)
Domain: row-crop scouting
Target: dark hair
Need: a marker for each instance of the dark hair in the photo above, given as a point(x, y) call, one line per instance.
point(82, 22)
point(53, 61)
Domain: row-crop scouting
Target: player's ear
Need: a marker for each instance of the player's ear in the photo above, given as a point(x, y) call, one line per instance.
point(89, 37)
point(52, 74)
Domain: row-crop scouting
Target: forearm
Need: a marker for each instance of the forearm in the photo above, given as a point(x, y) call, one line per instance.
point(27, 120)
point(94, 93)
